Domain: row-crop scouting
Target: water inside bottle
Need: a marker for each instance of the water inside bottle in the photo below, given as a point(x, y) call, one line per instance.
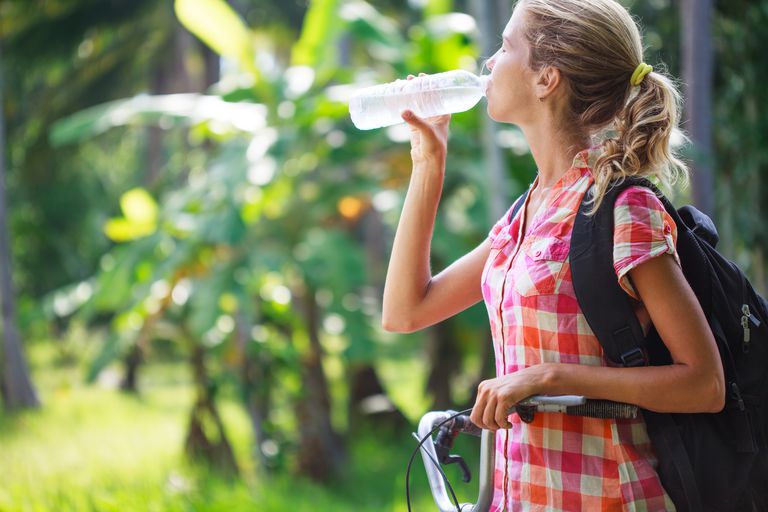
point(375, 111)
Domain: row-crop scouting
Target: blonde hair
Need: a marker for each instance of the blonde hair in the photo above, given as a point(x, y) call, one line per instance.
point(596, 45)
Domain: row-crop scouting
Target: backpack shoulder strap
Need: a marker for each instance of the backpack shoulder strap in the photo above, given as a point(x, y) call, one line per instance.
point(606, 307)
point(518, 204)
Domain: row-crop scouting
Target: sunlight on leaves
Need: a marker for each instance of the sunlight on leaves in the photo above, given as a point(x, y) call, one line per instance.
point(218, 26)
point(315, 47)
point(139, 217)
point(138, 206)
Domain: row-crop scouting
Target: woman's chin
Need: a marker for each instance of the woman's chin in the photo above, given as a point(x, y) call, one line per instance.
point(491, 113)
point(497, 116)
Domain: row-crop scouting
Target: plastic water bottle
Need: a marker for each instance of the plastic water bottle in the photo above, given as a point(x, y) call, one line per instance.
point(427, 96)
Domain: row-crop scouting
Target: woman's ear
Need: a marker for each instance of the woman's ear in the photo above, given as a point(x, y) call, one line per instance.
point(547, 82)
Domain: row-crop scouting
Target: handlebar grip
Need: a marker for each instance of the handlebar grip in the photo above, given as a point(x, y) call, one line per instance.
point(574, 405)
point(604, 409)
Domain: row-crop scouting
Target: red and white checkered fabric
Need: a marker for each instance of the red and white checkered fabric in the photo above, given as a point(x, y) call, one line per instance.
point(560, 462)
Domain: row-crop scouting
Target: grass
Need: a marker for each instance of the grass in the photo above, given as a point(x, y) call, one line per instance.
point(91, 448)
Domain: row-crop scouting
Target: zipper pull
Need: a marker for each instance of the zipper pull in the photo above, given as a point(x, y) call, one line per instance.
point(737, 395)
point(745, 326)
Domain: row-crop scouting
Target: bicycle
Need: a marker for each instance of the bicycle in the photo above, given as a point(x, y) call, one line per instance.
point(448, 424)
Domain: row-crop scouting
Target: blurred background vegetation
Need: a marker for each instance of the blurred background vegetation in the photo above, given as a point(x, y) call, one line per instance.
point(193, 238)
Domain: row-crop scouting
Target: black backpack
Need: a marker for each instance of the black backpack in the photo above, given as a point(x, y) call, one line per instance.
point(707, 462)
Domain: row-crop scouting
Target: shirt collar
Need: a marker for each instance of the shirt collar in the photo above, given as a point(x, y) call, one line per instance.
point(582, 164)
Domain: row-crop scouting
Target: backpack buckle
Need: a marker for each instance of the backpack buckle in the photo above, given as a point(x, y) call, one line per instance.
point(635, 357)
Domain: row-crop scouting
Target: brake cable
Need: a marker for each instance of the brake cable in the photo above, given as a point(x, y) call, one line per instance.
point(437, 465)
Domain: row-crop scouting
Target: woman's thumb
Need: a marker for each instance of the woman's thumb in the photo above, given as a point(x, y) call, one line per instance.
point(412, 119)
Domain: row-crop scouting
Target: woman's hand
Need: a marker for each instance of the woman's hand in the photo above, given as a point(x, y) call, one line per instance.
point(429, 137)
point(496, 396)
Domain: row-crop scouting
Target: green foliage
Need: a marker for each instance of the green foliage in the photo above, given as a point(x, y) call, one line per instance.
point(317, 46)
point(58, 58)
point(267, 193)
point(281, 202)
point(93, 448)
point(139, 217)
point(218, 26)
point(740, 115)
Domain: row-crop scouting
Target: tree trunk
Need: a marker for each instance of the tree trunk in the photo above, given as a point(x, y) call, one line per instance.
point(18, 391)
point(444, 363)
point(367, 396)
point(487, 366)
point(129, 383)
point(490, 26)
point(206, 438)
point(368, 400)
point(256, 389)
point(698, 63)
point(320, 451)
point(758, 270)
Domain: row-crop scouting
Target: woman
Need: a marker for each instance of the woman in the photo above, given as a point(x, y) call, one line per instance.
point(566, 71)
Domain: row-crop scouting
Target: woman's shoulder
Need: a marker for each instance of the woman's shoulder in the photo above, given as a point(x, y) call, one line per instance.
point(640, 197)
point(640, 205)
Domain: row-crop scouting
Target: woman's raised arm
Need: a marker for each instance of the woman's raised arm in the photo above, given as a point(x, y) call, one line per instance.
point(413, 299)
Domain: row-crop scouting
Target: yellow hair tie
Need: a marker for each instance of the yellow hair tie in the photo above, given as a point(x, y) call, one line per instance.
point(640, 71)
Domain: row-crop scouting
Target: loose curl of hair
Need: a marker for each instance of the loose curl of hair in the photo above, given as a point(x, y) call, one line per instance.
point(596, 45)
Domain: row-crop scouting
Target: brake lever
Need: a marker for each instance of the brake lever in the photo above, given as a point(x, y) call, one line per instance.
point(444, 443)
point(466, 475)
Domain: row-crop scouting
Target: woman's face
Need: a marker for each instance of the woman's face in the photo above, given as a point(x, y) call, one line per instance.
point(511, 95)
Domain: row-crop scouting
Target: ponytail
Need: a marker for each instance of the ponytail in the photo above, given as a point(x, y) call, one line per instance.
point(642, 145)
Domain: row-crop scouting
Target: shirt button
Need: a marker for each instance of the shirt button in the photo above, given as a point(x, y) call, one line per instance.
point(537, 253)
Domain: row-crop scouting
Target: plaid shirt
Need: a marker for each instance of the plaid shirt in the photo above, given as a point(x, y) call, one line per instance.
point(560, 462)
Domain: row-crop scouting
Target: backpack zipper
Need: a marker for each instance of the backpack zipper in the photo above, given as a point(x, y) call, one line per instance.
point(745, 326)
point(736, 394)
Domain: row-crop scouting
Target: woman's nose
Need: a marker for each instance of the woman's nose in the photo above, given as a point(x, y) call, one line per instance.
point(491, 61)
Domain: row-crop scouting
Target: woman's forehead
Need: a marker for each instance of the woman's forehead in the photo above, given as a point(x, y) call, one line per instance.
point(514, 24)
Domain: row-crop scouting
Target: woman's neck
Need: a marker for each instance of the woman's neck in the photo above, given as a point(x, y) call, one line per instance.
point(553, 151)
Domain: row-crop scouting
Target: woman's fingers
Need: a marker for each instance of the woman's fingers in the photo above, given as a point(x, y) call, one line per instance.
point(491, 406)
point(435, 120)
point(414, 120)
point(484, 412)
point(429, 136)
point(501, 416)
point(479, 408)
point(441, 119)
point(489, 414)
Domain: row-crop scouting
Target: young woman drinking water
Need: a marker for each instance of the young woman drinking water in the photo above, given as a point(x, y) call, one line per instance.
point(567, 71)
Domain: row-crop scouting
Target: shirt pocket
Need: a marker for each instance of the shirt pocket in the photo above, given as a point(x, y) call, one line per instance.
point(540, 266)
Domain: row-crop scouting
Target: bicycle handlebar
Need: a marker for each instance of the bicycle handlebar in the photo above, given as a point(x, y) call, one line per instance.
point(569, 404)
point(436, 483)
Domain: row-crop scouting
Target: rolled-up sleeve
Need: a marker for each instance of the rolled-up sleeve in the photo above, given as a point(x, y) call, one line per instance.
point(643, 230)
